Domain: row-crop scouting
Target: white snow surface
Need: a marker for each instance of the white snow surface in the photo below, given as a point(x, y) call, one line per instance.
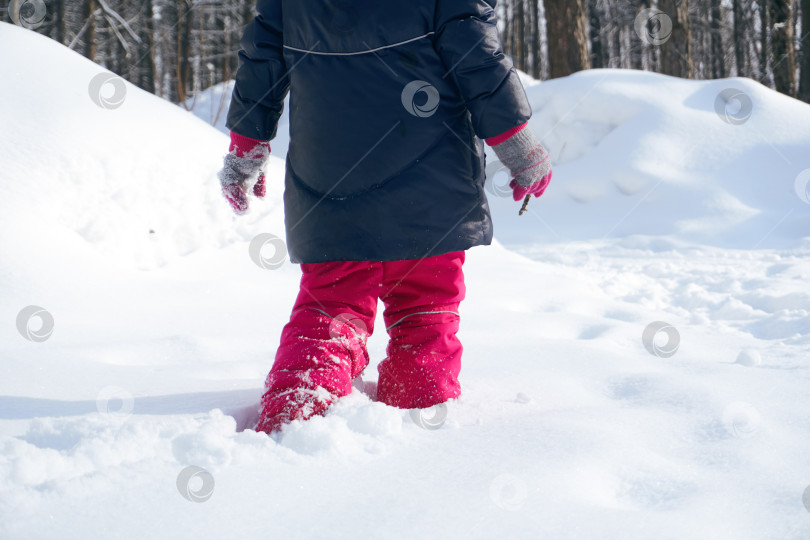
point(164, 329)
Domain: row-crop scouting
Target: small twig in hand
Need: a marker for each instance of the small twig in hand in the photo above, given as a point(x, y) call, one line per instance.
point(525, 204)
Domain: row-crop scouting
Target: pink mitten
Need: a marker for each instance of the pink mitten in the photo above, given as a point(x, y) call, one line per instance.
point(519, 192)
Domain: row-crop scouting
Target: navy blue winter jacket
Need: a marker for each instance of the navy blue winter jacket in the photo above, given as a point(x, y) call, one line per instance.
point(389, 101)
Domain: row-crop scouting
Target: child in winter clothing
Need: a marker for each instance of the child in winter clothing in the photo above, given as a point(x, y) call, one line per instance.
point(384, 184)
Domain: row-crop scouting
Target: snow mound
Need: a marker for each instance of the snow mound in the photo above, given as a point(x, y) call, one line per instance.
point(723, 162)
point(96, 162)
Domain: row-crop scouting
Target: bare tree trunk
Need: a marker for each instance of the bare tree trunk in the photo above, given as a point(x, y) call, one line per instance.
point(784, 54)
point(507, 28)
point(618, 52)
point(247, 14)
point(146, 64)
point(718, 54)
point(536, 49)
point(182, 65)
point(59, 19)
point(595, 35)
point(804, 84)
point(567, 37)
point(740, 39)
point(676, 53)
point(765, 42)
point(520, 37)
point(638, 46)
point(88, 49)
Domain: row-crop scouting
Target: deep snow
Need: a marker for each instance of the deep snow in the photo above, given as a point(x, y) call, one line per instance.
point(661, 209)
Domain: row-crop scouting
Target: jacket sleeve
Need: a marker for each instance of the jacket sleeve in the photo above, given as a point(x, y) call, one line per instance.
point(467, 42)
point(262, 81)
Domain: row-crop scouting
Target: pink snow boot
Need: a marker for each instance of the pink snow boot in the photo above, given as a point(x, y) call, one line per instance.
point(323, 347)
point(421, 316)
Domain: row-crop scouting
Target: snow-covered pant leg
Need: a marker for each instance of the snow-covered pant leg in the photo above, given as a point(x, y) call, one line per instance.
point(423, 360)
point(323, 347)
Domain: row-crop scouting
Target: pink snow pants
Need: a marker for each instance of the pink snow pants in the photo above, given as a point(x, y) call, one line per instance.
point(323, 346)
